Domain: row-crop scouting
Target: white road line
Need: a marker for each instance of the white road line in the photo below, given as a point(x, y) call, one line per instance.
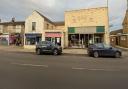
point(94, 69)
point(103, 70)
point(79, 68)
point(97, 69)
point(33, 65)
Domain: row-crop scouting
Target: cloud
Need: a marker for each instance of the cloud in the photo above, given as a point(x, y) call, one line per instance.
point(54, 9)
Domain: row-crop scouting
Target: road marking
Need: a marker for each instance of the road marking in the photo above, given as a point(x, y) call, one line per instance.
point(97, 69)
point(79, 68)
point(33, 65)
point(94, 69)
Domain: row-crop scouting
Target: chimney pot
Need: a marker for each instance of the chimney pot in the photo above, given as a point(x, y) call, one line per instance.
point(13, 19)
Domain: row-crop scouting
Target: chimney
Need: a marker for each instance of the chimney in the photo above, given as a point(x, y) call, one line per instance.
point(13, 19)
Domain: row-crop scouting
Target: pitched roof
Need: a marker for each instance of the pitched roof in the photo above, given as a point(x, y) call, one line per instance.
point(44, 17)
point(125, 18)
point(116, 32)
point(59, 23)
point(55, 23)
point(13, 23)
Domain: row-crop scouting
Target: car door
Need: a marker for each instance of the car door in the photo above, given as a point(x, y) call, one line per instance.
point(49, 47)
point(44, 46)
point(100, 49)
point(108, 51)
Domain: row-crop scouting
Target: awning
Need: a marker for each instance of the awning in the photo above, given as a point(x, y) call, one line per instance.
point(33, 35)
point(54, 34)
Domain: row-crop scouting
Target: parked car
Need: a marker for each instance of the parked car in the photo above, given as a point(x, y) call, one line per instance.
point(48, 47)
point(101, 49)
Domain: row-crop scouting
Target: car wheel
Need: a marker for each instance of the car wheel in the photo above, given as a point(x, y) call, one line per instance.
point(117, 55)
point(38, 52)
point(55, 52)
point(96, 54)
point(60, 53)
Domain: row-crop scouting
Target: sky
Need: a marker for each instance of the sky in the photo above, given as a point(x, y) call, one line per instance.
point(54, 9)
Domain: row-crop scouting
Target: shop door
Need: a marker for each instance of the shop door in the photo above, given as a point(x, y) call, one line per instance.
point(58, 41)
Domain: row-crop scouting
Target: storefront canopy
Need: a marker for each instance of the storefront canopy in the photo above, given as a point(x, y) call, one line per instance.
point(53, 34)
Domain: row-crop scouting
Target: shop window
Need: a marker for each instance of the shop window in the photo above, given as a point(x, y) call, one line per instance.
point(30, 41)
point(33, 26)
point(123, 38)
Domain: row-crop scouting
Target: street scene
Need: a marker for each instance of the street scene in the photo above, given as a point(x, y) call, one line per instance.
point(26, 70)
point(56, 44)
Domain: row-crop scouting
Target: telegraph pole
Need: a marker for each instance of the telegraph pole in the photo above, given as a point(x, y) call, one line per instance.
point(108, 37)
point(108, 3)
point(127, 4)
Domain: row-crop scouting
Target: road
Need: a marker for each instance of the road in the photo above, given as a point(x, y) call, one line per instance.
point(30, 71)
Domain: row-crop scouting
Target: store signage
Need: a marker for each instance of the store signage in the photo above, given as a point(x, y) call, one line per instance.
point(49, 34)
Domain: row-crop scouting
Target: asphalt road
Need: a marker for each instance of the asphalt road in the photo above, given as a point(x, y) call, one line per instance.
point(30, 71)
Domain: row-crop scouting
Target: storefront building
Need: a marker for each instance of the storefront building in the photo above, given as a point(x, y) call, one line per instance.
point(15, 31)
point(81, 28)
point(39, 28)
point(4, 39)
point(86, 26)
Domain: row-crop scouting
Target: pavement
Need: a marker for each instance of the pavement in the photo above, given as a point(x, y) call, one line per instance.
point(65, 51)
point(122, 48)
point(30, 71)
point(21, 49)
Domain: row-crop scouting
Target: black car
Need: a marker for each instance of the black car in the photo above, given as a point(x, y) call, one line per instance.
point(102, 49)
point(48, 47)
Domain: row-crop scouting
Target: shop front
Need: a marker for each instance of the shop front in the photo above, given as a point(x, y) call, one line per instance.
point(16, 39)
point(32, 39)
point(55, 37)
point(4, 39)
point(81, 37)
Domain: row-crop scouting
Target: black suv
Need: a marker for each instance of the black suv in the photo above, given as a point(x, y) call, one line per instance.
point(48, 47)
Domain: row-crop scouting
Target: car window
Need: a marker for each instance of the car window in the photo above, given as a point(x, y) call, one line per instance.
point(48, 43)
point(99, 45)
point(44, 43)
point(106, 46)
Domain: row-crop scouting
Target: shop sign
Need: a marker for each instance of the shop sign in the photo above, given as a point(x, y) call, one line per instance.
point(47, 34)
point(32, 35)
point(100, 29)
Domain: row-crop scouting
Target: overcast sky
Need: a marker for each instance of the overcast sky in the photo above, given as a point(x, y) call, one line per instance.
point(54, 9)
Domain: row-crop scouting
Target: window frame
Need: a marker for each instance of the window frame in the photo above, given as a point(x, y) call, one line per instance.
point(33, 26)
